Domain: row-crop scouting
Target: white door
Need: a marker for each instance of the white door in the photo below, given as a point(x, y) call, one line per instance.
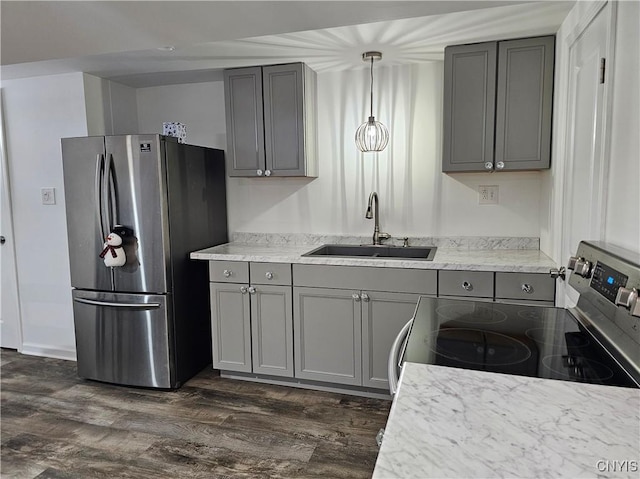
point(585, 139)
point(10, 333)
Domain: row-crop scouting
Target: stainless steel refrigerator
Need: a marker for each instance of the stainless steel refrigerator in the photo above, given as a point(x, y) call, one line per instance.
point(145, 323)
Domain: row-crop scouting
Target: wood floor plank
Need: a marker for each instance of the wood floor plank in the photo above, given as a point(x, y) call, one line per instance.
point(57, 426)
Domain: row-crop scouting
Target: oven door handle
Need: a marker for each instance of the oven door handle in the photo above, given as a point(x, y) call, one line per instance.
point(394, 357)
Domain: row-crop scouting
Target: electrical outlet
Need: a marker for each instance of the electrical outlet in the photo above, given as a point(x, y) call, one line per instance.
point(48, 196)
point(488, 195)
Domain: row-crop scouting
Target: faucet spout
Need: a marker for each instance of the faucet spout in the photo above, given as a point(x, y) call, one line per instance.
point(373, 205)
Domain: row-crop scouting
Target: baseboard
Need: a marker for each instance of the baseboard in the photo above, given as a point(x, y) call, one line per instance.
point(47, 351)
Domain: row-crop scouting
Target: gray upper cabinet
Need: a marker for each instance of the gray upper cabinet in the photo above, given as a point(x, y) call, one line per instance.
point(469, 106)
point(524, 103)
point(498, 101)
point(271, 121)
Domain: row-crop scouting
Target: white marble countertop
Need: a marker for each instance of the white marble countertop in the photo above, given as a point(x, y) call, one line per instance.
point(456, 423)
point(515, 260)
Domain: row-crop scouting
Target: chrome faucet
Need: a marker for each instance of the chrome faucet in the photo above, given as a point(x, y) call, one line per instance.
point(377, 236)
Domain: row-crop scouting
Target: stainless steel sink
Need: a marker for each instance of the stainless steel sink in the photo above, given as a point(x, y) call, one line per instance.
point(424, 253)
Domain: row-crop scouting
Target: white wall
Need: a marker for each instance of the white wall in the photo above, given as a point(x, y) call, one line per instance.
point(200, 106)
point(39, 111)
point(416, 197)
point(623, 199)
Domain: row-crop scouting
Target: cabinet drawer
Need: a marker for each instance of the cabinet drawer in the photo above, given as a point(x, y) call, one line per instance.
point(478, 284)
point(525, 286)
point(270, 273)
point(420, 281)
point(229, 271)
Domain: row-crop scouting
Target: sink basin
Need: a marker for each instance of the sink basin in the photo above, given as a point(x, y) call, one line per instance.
point(425, 253)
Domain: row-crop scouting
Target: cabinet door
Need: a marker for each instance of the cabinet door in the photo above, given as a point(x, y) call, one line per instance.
point(469, 107)
point(383, 316)
point(283, 87)
point(230, 327)
point(524, 103)
point(245, 121)
point(327, 335)
point(272, 330)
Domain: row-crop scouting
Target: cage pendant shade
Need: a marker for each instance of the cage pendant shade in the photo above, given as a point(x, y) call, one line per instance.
point(372, 135)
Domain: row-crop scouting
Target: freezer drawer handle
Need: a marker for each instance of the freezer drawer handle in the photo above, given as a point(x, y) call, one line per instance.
point(118, 305)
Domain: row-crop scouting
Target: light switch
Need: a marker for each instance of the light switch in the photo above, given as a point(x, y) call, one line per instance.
point(48, 195)
point(488, 195)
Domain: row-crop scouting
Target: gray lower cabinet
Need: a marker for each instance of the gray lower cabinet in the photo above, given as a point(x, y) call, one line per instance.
point(251, 324)
point(328, 335)
point(230, 327)
point(383, 316)
point(501, 90)
point(346, 319)
point(271, 121)
point(272, 330)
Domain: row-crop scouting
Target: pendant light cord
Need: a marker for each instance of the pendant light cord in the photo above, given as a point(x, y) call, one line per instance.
point(371, 87)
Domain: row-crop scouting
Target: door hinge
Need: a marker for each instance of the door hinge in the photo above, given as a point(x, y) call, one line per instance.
point(602, 69)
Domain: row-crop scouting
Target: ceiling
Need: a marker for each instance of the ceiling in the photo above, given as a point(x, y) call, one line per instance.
point(127, 41)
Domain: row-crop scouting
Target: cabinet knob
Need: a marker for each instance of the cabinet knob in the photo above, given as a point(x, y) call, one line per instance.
point(365, 297)
point(527, 288)
point(500, 165)
point(259, 172)
point(267, 172)
point(243, 289)
point(356, 297)
point(252, 290)
point(488, 165)
point(227, 273)
point(269, 275)
point(560, 272)
point(467, 286)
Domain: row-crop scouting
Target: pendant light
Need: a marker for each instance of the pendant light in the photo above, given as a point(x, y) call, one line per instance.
point(372, 135)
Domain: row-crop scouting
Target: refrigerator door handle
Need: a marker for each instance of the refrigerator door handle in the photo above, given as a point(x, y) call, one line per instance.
point(117, 305)
point(98, 194)
point(110, 195)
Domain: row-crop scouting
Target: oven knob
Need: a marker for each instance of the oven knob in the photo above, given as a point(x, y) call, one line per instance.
point(582, 267)
point(635, 310)
point(627, 298)
point(572, 262)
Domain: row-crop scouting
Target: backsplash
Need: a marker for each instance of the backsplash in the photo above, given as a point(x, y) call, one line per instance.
point(449, 242)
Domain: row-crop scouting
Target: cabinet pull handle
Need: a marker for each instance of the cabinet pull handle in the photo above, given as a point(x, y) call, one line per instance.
point(259, 172)
point(527, 288)
point(252, 290)
point(243, 289)
point(365, 297)
point(267, 172)
point(356, 297)
point(500, 165)
point(488, 165)
point(269, 275)
point(227, 273)
point(467, 286)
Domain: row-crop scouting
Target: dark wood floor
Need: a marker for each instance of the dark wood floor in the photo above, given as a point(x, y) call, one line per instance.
point(55, 425)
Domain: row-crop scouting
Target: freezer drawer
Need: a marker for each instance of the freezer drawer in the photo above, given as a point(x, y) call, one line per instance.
point(124, 338)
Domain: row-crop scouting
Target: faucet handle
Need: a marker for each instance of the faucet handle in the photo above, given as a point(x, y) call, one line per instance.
point(383, 236)
point(405, 241)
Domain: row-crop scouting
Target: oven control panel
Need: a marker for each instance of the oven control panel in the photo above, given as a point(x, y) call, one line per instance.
point(609, 292)
point(606, 281)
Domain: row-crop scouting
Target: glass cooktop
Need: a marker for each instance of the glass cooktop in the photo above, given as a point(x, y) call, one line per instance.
point(512, 339)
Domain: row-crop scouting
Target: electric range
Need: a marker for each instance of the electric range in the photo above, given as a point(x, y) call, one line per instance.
point(597, 341)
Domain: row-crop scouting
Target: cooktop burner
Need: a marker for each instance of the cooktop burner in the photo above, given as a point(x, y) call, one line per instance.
point(477, 347)
point(539, 335)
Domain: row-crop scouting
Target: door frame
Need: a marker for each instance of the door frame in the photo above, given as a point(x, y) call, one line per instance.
point(563, 169)
point(8, 266)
